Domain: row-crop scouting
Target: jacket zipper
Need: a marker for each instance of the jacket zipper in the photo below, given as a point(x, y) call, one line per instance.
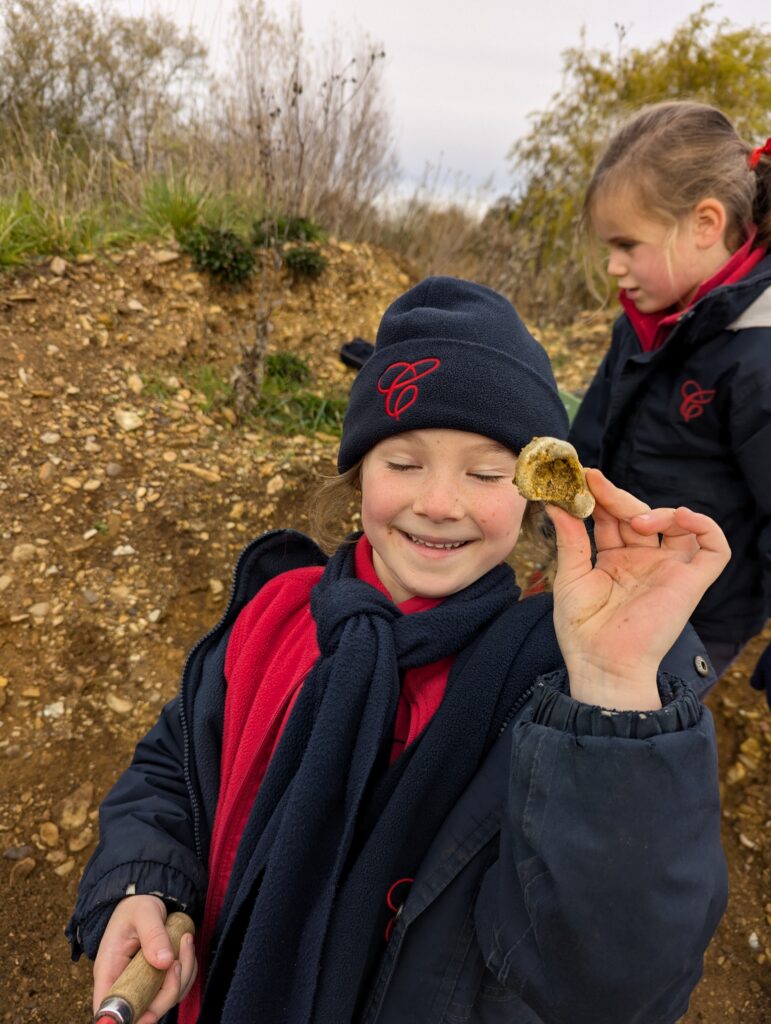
point(186, 738)
point(521, 700)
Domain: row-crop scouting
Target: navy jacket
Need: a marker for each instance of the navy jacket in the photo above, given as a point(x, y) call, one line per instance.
point(578, 879)
point(690, 424)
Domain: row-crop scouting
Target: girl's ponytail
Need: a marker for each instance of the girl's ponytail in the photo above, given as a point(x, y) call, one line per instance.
point(759, 161)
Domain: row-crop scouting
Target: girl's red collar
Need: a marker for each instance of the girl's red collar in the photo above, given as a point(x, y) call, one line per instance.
point(653, 328)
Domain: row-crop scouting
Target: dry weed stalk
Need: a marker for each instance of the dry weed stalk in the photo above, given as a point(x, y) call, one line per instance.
point(249, 372)
point(310, 127)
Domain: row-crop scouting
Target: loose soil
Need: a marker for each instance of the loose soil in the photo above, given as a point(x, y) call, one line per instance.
point(125, 496)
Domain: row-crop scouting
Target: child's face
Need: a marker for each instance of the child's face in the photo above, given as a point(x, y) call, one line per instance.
point(440, 510)
point(656, 268)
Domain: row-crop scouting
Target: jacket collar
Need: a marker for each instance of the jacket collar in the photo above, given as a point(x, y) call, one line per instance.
point(719, 309)
point(653, 329)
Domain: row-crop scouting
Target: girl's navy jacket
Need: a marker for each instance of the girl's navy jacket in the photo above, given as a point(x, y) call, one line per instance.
point(690, 424)
point(578, 879)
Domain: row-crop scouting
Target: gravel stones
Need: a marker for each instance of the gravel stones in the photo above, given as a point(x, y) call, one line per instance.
point(22, 869)
point(75, 807)
point(49, 833)
point(127, 419)
point(24, 553)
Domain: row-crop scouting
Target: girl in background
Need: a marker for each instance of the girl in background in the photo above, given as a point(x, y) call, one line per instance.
point(680, 408)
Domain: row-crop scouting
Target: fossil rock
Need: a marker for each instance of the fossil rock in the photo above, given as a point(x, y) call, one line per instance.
point(548, 470)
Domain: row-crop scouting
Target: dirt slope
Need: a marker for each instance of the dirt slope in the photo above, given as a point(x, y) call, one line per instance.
point(124, 499)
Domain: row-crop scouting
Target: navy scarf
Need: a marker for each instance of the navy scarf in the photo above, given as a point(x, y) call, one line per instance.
point(334, 824)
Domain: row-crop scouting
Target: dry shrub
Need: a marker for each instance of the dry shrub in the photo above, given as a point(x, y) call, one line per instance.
point(457, 237)
point(301, 129)
point(92, 77)
point(128, 107)
point(436, 227)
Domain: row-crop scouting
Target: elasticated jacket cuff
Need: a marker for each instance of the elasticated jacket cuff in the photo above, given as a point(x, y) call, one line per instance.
point(86, 926)
point(553, 706)
point(85, 936)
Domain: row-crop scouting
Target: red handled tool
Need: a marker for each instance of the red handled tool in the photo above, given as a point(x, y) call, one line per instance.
point(139, 984)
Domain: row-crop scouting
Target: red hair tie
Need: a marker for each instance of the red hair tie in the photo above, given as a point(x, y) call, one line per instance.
point(757, 153)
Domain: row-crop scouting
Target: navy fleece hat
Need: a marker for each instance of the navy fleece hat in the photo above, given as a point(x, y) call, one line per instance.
point(452, 354)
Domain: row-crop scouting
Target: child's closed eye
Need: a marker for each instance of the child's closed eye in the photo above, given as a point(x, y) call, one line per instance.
point(489, 477)
point(402, 467)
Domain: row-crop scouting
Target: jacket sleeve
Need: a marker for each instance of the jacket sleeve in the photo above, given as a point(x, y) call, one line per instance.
point(751, 444)
point(610, 878)
point(147, 842)
point(588, 427)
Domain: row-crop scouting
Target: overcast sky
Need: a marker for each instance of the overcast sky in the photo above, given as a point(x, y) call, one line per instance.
point(462, 75)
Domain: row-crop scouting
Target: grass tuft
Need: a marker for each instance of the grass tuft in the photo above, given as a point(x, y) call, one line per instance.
point(301, 412)
point(285, 370)
point(156, 386)
point(216, 389)
point(274, 231)
point(286, 406)
point(172, 202)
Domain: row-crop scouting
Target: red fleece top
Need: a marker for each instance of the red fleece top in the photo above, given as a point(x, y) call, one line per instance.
point(653, 328)
point(270, 651)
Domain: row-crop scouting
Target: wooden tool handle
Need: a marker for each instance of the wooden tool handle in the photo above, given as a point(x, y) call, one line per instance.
point(139, 984)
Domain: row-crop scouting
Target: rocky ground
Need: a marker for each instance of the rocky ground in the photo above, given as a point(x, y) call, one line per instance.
point(126, 491)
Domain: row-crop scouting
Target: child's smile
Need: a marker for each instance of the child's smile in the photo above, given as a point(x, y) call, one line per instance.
point(436, 545)
point(439, 509)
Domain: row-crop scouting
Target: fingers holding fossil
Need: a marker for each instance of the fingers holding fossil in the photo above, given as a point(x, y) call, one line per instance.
point(548, 470)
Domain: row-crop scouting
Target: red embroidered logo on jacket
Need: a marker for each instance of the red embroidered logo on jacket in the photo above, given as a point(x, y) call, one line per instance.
point(695, 397)
point(398, 385)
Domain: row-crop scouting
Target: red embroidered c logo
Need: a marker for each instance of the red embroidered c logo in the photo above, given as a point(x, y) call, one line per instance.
point(695, 397)
point(398, 385)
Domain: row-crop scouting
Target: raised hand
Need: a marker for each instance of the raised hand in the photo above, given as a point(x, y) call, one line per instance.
point(616, 621)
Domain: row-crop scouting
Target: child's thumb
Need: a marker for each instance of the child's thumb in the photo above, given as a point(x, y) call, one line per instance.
point(155, 941)
point(574, 550)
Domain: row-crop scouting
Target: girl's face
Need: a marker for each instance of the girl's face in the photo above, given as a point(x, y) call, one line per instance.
point(656, 267)
point(439, 509)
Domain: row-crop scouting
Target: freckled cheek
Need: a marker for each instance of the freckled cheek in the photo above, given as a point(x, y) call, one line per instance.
point(379, 508)
point(503, 517)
